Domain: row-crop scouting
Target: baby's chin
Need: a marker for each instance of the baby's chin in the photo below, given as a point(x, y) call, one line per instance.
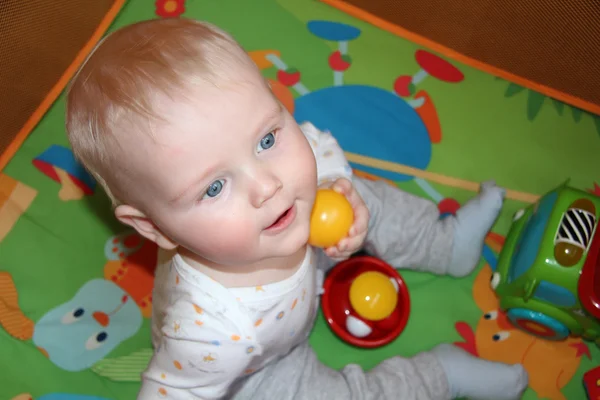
point(233, 259)
point(286, 247)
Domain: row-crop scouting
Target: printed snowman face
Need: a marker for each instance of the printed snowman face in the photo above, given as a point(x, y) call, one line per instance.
point(77, 334)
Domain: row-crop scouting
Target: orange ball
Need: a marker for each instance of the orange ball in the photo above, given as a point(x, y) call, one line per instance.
point(331, 218)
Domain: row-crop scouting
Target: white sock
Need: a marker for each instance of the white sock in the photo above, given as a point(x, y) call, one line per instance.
point(473, 222)
point(478, 379)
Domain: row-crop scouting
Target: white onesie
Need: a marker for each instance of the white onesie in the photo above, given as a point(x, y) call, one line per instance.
point(207, 336)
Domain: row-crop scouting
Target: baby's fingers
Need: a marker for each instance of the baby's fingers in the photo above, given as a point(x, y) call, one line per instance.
point(336, 255)
point(361, 221)
point(345, 248)
point(343, 186)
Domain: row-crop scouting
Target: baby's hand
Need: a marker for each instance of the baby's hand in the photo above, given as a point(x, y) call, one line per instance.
point(358, 231)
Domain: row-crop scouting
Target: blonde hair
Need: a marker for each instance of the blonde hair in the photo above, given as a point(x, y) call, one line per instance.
point(121, 76)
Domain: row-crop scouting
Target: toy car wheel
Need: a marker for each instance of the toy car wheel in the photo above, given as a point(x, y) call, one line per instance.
point(537, 324)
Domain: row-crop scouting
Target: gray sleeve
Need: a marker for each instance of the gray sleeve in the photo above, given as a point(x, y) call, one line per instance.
point(405, 230)
point(300, 376)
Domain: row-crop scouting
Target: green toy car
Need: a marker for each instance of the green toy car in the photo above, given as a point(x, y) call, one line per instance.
point(548, 273)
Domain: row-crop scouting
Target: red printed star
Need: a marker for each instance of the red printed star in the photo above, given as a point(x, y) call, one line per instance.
point(595, 190)
point(582, 349)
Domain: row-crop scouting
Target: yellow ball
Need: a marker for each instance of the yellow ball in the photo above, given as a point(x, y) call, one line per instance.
point(331, 218)
point(373, 296)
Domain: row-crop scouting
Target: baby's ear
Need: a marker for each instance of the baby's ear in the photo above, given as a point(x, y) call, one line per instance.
point(143, 225)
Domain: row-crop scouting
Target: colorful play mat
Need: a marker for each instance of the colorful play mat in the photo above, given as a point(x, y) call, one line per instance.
point(76, 286)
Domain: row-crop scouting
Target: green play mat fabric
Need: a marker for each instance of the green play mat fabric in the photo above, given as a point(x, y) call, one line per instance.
point(65, 258)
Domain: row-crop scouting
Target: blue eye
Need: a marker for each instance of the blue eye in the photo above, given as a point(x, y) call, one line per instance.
point(78, 313)
point(266, 142)
point(101, 337)
point(214, 189)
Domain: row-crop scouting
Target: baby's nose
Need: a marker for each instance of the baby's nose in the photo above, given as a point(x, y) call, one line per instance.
point(101, 318)
point(265, 188)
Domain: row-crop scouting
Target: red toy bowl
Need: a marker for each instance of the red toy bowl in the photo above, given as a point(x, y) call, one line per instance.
point(335, 302)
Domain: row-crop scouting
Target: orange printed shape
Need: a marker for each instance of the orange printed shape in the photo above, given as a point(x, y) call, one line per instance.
point(283, 94)
point(7, 187)
point(496, 237)
point(550, 364)
point(135, 275)
point(429, 116)
point(23, 396)
point(15, 199)
point(495, 241)
point(260, 57)
point(69, 190)
point(12, 319)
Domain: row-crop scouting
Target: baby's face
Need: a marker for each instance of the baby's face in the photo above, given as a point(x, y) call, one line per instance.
point(229, 176)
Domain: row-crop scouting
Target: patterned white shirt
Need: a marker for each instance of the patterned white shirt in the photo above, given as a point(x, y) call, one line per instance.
point(207, 336)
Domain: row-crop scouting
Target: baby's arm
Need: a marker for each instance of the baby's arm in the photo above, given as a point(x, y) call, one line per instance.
point(405, 230)
point(331, 161)
point(446, 372)
point(334, 171)
point(184, 368)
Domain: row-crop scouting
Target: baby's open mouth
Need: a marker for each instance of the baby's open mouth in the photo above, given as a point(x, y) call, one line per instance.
point(282, 220)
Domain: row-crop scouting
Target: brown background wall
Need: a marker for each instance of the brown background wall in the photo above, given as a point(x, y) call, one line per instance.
point(555, 43)
point(39, 39)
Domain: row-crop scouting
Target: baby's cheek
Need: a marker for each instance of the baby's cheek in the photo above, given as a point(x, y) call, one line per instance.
point(232, 237)
point(304, 163)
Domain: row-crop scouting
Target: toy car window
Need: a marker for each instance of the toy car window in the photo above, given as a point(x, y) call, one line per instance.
point(531, 238)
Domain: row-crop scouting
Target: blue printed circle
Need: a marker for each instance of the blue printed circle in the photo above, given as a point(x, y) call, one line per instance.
point(334, 31)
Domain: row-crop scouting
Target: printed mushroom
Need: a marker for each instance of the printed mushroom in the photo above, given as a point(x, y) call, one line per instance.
point(286, 77)
point(334, 31)
point(59, 164)
point(430, 64)
point(405, 86)
point(436, 67)
point(339, 60)
point(263, 60)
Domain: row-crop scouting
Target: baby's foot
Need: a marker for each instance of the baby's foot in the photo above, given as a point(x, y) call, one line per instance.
point(478, 379)
point(473, 222)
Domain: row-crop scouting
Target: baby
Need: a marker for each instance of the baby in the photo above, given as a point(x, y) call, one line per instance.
point(177, 124)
